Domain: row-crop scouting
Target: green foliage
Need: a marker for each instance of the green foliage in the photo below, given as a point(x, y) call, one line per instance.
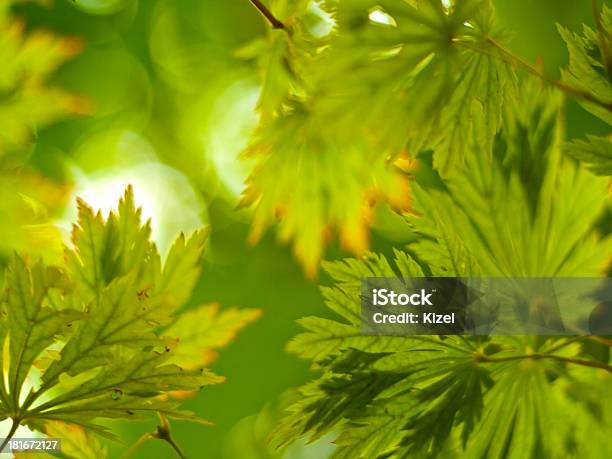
point(100, 337)
point(350, 103)
point(595, 152)
point(529, 212)
point(27, 101)
point(28, 201)
point(590, 71)
point(335, 174)
point(590, 67)
point(524, 210)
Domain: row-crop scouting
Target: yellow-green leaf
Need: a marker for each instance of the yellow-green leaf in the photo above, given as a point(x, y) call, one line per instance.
point(201, 331)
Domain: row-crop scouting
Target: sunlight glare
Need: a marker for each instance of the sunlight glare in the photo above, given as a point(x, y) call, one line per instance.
point(380, 17)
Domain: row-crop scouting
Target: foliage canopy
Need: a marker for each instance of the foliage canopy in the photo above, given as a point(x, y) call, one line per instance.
point(453, 396)
point(495, 192)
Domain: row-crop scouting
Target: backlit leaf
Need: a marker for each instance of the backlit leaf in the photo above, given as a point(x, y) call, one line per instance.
point(94, 330)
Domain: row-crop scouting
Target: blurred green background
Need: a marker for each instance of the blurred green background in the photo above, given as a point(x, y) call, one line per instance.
point(171, 109)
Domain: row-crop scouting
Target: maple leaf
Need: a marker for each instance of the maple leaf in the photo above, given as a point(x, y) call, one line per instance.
point(357, 101)
point(93, 330)
point(315, 186)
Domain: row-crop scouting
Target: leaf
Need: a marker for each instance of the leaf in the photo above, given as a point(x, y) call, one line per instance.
point(94, 330)
point(284, 56)
point(31, 324)
point(27, 100)
point(595, 153)
point(367, 99)
point(104, 250)
point(432, 79)
point(316, 186)
point(75, 443)
point(117, 318)
point(202, 330)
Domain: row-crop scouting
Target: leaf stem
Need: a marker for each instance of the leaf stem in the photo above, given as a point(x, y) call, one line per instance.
point(175, 447)
point(263, 9)
point(163, 433)
point(11, 432)
point(512, 59)
point(585, 363)
point(142, 440)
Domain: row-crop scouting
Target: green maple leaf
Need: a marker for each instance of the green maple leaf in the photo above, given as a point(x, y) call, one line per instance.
point(362, 100)
point(427, 77)
point(317, 185)
point(100, 338)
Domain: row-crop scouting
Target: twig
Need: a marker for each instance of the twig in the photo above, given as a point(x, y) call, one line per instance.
point(275, 23)
point(10, 434)
point(142, 440)
point(584, 363)
point(176, 448)
point(511, 58)
point(162, 432)
point(514, 60)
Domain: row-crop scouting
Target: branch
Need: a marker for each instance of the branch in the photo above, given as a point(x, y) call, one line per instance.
point(275, 23)
point(175, 447)
point(142, 440)
point(514, 60)
point(584, 363)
